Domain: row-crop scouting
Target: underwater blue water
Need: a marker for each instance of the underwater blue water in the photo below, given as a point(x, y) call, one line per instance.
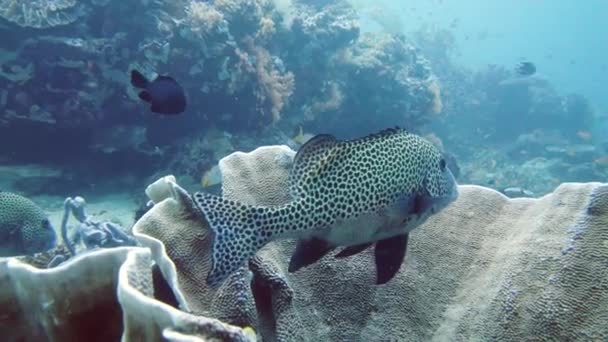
point(567, 39)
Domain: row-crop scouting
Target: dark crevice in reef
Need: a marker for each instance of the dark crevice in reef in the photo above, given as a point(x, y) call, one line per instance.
point(162, 290)
point(89, 327)
point(273, 298)
point(263, 297)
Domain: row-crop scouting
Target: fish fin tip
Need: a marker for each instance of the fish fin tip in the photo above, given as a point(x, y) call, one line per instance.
point(138, 80)
point(145, 96)
point(389, 255)
point(352, 250)
point(308, 252)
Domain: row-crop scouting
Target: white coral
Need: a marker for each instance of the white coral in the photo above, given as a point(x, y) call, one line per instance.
point(41, 13)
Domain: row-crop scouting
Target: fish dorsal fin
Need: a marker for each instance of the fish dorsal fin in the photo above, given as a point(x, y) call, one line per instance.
point(384, 132)
point(310, 158)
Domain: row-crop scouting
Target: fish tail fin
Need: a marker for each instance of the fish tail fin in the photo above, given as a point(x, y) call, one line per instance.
point(239, 231)
point(138, 80)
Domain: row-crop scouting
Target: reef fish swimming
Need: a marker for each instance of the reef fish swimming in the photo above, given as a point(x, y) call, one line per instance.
point(351, 193)
point(24, 227)
point(526, 69)
point(164, 94)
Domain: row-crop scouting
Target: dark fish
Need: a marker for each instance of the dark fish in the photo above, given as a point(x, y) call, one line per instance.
point(525, 69)
point(164, 94)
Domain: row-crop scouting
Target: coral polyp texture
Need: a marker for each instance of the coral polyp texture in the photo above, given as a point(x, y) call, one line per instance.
point(487, 267)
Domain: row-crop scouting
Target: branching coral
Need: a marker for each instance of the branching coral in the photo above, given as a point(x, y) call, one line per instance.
point(267, 29)
point(385, 81)
point(41, 13)
point(94, 234)
point(273, 86)
point(203, 18)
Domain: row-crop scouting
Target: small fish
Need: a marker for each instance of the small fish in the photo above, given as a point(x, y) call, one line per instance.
point(526, 69)
point(584, 135)
point(516, 191)
point(164, 94)
point(352, 194)
point(24, 227)
point(301, 138)
point(212, 177)
point(601, 161)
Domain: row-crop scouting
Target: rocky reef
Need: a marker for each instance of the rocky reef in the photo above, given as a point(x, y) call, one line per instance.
point(512, 131)
point(254, 71)
point(545, 257)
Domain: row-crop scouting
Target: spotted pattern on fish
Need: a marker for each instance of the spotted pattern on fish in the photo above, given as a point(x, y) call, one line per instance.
point(331, 182)
point(24, 227)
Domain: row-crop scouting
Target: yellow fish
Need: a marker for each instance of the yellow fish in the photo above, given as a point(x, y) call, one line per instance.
point(211, 177)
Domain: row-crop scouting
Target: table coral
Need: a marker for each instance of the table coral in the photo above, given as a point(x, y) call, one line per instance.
point(487, 267)
point(440, 283)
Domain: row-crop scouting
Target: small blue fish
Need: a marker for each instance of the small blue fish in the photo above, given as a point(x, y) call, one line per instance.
point(164, 93)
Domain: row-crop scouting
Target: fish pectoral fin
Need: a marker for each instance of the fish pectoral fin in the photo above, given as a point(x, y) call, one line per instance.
point(308, 252)
point(144, 95)
point(155, 108)
point(9, 232)
point(389, 255)
point(352, 250)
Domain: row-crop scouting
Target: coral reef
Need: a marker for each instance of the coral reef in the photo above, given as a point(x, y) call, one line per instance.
point(41, 14)
point(496, 122)
point(252, 69)
point(545, 258)
point(395, 81)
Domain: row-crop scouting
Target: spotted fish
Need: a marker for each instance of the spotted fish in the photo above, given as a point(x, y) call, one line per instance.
point(350, 194)
point(24, 227)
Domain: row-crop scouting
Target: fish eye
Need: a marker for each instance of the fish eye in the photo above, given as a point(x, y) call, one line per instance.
point(442, 164)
